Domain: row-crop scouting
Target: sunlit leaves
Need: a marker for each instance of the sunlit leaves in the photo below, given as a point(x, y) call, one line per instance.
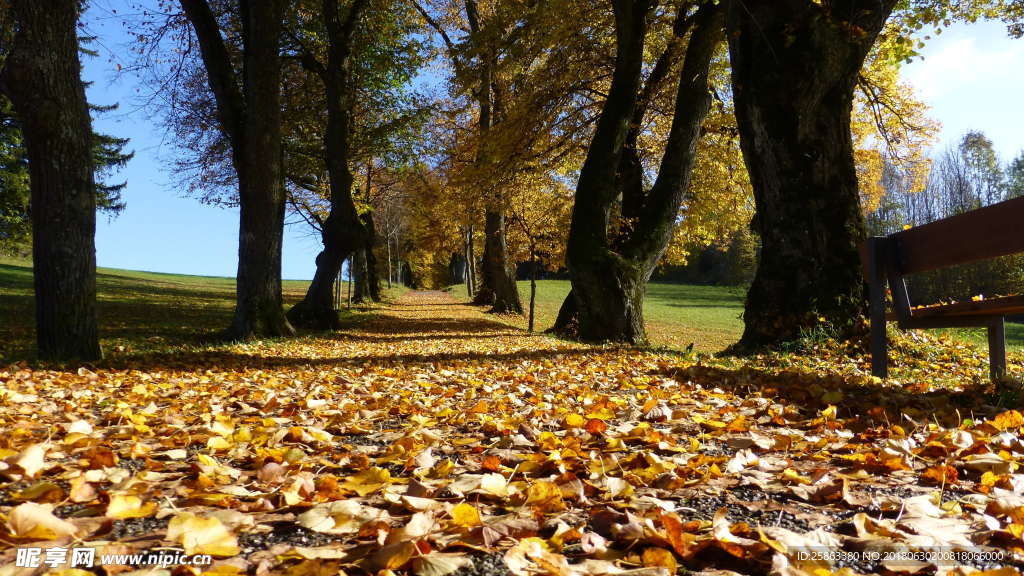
point(411, 448)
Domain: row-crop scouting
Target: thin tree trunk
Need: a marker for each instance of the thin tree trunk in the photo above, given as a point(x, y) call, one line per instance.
point(533, 285)
point(372, 275)
point(795, 64)
point(388, 243)
point(359, 288)
point(43, 82)
point(471, 263)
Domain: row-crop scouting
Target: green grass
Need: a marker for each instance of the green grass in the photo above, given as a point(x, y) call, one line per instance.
point(676, 314)
point(708, 316)
point(142, 312)
point(138, 312)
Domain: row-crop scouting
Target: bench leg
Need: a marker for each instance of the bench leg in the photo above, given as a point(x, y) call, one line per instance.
point(876, 309)
point(879, 349)
point(997, 349)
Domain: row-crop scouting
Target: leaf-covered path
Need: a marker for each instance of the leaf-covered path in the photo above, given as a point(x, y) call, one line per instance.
point(432, 438)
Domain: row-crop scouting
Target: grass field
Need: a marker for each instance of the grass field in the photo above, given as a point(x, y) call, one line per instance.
point(138, 311)
point(148, 311)
point(708, 316)
point(676, 314)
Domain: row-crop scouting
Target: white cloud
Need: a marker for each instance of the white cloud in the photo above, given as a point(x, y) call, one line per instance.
point(971, 79)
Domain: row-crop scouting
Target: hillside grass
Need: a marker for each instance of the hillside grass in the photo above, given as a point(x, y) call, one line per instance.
point(138, 311)
point(710, 317)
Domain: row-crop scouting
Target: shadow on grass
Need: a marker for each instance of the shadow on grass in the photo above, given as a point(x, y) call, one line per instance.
point(134, 313)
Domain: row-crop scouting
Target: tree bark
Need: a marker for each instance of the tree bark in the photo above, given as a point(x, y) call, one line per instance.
point(505, 294)
point(360, 278)
point(43, 82)
point(250, 115)
point(609, 274)
point(795, 64)
point(343, 232)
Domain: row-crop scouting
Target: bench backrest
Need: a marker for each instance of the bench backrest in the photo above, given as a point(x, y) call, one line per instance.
point(989, 232)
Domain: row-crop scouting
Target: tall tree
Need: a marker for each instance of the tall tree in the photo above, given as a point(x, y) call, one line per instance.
point(498, 288)
point(15, 192)
point(343, 231)
point(610, 266)
point(1015, 177)
point(795, 65)
point(41, 76)
point(475, 61)
point(249, 111)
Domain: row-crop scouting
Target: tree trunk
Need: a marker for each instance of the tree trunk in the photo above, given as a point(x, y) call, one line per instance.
point(609, 275)
point(43, 82)
point(343, 232)
point(360, 288)
point(533, 286)
point(498, 288)
point(567, 321)
point(250, 115)
point(795, 64)
point(503, 282)
point(372, 274)
point(485, 293)
point(470, 264)
point(390, 268)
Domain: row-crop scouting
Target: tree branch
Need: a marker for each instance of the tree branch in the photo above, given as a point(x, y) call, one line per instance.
point(219, 71)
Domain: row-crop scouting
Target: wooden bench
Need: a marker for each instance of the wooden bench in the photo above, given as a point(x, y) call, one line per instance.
point(983, 234)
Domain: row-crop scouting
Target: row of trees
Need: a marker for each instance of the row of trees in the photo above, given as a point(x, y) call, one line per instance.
point(645, 128)
point(962, 178)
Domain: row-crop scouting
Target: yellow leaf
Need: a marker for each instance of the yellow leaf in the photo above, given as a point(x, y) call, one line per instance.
point(574, 421)
point(790, 475)
point(129, 506)
point(368, 481)
point(391, 556)
point(36, 522)
point(659, 557)
point(199, 535)
point(544, 496)
point(218, 443)
point(440, 563)
point(465, 515)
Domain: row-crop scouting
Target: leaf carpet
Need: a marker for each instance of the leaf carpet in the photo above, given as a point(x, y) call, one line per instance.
point(434, 440)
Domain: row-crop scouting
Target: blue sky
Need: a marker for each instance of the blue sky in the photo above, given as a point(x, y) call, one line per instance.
point(970, 77)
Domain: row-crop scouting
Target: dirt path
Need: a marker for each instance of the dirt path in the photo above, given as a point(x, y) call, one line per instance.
point(427, 326)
